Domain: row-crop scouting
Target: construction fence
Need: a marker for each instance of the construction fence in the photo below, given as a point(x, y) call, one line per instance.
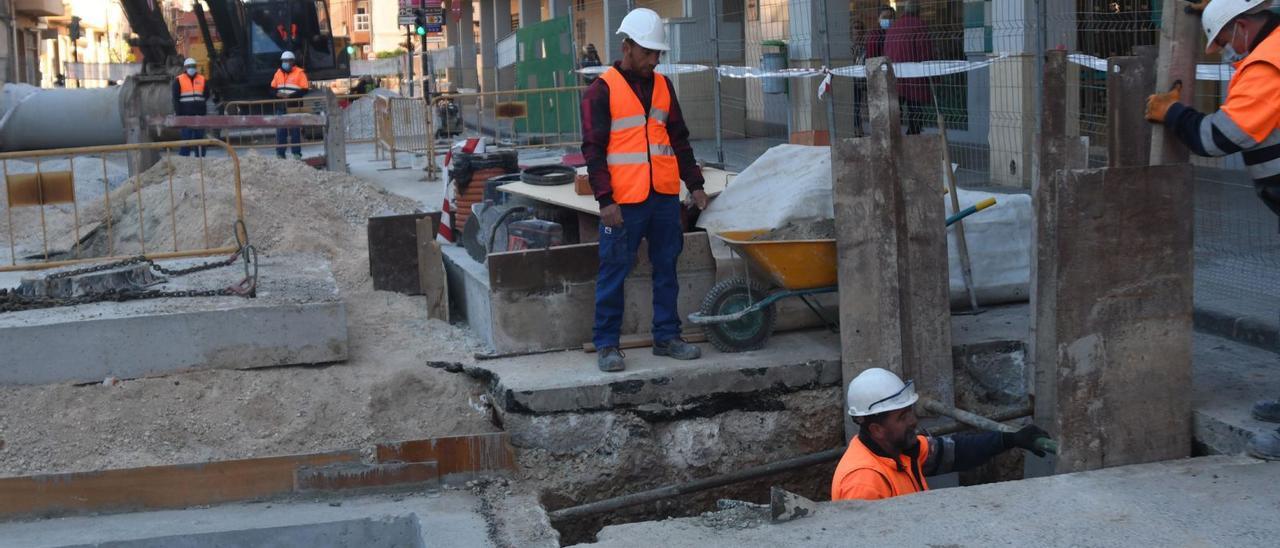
point(748, 73)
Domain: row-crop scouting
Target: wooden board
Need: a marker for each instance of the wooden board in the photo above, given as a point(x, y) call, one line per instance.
point(454, 454)
point(645, 341)
point(565, 196)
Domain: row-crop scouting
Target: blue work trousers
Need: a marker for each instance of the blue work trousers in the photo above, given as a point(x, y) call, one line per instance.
point(284, 136)
point(188, 134)
point(657, 220)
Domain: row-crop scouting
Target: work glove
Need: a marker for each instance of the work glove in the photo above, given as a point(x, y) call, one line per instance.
point(1026, 439)
point(1158, 105)
point(1197, 6)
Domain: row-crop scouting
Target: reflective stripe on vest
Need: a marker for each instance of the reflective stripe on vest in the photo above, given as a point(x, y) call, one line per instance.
point(895, 482)
point(191, 90)
point(1261, 158)
point(640, 155)
point(295, 80)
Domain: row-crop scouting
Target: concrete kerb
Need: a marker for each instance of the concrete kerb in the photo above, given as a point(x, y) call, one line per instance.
point(1250, 330)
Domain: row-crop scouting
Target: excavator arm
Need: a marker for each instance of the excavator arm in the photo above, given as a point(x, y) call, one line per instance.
point(157, 45)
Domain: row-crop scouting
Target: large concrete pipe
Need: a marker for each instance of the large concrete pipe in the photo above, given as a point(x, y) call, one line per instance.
point(34, 118)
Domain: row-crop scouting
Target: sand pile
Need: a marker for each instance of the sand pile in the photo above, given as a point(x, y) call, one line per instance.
point(289, 207)
point(824, 229)
point(359, 115)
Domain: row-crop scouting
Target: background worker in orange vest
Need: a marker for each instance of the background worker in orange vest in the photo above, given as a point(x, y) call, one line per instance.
point(637, 151)
point(888, 458)
point(1248, 122)
point(190, 97)
point(290, 82)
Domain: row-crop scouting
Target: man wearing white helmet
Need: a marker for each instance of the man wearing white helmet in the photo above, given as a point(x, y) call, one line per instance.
point(888, 458)
point(636, 146)
point(289, 82)
point(190, 96)
point(1248, 122)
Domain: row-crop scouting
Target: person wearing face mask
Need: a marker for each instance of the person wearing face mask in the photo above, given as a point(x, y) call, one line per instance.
point(888, 458)
point(190, 97)
point(875, 38)
point(1248, 122)
point(290, 82)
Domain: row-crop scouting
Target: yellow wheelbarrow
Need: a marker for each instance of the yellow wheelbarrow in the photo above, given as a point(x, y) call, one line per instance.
point(737, 315)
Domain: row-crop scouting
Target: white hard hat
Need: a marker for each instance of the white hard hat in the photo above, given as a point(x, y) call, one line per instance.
point(1221, 13)
point(876, 391)
point(286, 56)
point(189, 62)
point(644, 27)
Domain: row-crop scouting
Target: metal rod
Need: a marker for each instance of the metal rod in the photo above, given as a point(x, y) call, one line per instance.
point(204, 209)
point(106, 196)
point(715, 47)
point(173, 206)
point(979, 421)
point(8, 206)
point(962, 244)
point(826, 63)
point(75, 205)
point(44, 232)
point(812, 459)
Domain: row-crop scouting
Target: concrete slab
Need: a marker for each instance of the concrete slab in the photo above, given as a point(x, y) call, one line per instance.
point(570, 381)
point(448, 518)
point(1211, 501)
point(1227, 377)
point(537, 300)
point(297, 318)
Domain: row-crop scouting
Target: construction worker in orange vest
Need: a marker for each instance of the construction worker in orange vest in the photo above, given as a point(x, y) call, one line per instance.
point(888, 458)
point(290, 82)
point(190, 98)
point(637, 150)
point(1248, 122)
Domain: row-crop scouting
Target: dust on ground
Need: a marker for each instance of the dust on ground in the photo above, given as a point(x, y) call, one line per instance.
point(386, 391)
point(824, 229)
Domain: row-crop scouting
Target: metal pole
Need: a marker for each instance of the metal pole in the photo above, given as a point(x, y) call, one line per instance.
point(715, 44)
point(432, 171)
point(812, 459)
point(826, 62)
point(979, 421)
point(408, 55)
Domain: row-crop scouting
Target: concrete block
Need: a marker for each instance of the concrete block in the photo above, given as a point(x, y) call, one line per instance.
point(1128, 134)
point(1119, 372)
point(297, 318)
point(532, 300)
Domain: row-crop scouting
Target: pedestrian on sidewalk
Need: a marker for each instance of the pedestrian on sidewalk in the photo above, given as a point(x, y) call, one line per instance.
point(190, 98)
point(1248, 122)
point(908, 41)
point(636, 146)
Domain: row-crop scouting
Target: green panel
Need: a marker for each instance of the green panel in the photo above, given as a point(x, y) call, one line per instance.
point(545, 59)
point(975, 14)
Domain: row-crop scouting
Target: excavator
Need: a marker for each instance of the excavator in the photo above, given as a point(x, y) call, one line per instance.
point(252, 35)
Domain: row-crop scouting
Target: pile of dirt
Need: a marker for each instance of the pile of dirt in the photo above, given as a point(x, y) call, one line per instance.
point(386, 391)
point(359, 115)
point(288, 207)
point(824, 229)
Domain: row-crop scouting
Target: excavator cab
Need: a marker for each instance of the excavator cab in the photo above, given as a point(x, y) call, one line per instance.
point(300, 26)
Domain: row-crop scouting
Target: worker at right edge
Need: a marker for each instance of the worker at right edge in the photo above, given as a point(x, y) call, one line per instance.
point(888, 458)
point(289, 82)
point(637, 150)
point(1248, 122)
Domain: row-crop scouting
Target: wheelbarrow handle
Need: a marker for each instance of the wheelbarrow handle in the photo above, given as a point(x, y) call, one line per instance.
point(984, 204)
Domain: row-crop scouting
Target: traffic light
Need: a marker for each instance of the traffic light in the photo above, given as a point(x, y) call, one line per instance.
point(351, 50)
point(74, 28)
point(419, 22)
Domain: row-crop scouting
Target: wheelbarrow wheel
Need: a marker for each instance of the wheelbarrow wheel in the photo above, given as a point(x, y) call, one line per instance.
point(749, 332)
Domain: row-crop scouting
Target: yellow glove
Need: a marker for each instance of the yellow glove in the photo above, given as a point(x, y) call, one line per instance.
point(1158, 104)
point(1197, 8)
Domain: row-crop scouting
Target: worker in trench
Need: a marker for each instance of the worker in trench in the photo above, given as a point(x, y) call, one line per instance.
point(190, 98)
point(637, 151)
point(1248, 122)
point(889, 458)
point(289, 82)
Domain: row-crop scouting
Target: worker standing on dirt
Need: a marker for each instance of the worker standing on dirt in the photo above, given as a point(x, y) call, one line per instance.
point(887, 458)
point(290, 82)
point(1248, 122)
point(190, 98)
point(637, 150)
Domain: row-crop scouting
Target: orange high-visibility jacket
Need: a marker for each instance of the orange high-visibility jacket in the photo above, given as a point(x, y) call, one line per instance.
point(639, 155)
point(286, 84)
point(191, 90)
point(864, 475)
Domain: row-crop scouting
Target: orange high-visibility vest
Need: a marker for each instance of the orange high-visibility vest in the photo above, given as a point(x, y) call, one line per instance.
point(640, 156)
point(190, 90)
point(864, 475)
point(295, 80)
